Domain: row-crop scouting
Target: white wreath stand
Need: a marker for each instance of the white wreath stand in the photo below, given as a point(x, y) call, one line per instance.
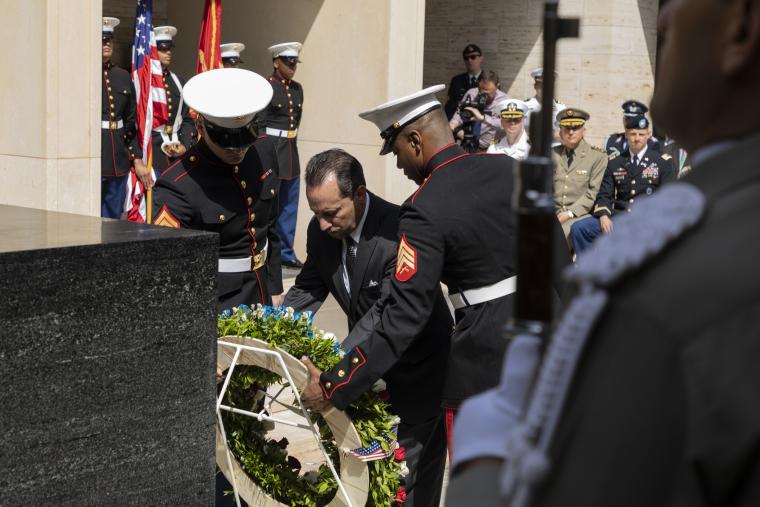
point(353, 480)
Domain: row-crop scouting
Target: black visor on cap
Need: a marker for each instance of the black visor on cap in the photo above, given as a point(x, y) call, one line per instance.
point(636, 122)
point(234, 60)
point(389, 134)
point(164, 45)
point(290, 60)
point(107, 36)
point(242, 137)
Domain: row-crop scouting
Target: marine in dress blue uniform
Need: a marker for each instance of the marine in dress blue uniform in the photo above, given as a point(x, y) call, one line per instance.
point(626, 179)
point(230, 53)
point(281, 120)
point(118, 139)
point(178, 131)
point(221, 185)
point(457, 228)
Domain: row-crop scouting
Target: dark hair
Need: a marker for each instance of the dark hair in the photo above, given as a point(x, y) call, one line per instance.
point(489, 76)
point(347, 170)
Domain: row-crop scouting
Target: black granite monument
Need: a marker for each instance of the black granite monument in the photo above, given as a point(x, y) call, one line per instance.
point(107, 357)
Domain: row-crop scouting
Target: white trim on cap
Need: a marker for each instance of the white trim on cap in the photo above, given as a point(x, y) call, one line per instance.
point(109, 23)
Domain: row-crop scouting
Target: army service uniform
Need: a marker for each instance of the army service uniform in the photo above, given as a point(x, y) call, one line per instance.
point(624, 182)
point(118, 140)
point(576, 184)
point(239, 203)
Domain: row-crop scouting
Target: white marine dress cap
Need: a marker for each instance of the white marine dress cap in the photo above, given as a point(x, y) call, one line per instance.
point(232, 49)
point(164, 33)
point(392, 116)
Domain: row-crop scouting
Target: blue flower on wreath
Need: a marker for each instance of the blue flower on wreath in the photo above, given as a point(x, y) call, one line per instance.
point(226, 314)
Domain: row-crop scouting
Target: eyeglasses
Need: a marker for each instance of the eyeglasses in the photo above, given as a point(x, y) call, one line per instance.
point(471, 57)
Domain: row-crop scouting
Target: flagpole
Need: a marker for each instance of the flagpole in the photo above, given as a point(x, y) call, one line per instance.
point(149, 206)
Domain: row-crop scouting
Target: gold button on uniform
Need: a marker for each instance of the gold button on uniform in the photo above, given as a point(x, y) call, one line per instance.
point(253, 231)
point(249, 201)
point(221, 218)
point(355, 360)
point(237, 169)
point(328, 385)
point(341, 373)
point(193, 158)
point(253, 217)
point(243, 183)
point(271, 191)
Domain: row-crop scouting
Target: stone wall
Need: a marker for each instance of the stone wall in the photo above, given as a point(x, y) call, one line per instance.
point(614, 59)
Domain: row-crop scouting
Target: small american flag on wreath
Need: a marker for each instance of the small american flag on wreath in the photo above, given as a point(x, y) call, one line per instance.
point(374, 451)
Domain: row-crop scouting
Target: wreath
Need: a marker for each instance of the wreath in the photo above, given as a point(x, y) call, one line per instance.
point(265, 461)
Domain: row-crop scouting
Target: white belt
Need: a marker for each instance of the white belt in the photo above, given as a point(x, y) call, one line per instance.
point(244, 264)
point(112, 125)
point(290, 134)
point(473, 297)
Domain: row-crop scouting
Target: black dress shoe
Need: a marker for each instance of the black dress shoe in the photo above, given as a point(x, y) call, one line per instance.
point(294, 264)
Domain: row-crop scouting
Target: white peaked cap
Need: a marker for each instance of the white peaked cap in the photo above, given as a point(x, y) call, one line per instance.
point(539, 73)
point(519, 105)
point(392, 116)
point(110, 23)
point(228, 98)
point(232, 49)
point(164, 32)
point(285, 49)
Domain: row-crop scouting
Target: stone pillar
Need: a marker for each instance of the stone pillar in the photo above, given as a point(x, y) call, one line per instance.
point(50, 88)
point(613, 60)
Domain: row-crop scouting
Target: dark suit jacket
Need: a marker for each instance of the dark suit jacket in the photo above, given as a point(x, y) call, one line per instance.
point(457, 88)
point(416, 381)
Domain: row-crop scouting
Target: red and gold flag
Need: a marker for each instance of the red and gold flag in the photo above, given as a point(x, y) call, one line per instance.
point(209, 55)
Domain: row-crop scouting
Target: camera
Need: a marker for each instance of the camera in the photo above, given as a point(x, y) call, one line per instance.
point(470, 128)
point(479, 103)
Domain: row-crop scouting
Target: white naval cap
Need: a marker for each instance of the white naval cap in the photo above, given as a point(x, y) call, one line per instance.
point(285, 49)
point(164, 33)
point(392, 116)
point(512, 109)
point(109, 24)
point(232, 49)
point(228, 98)
point(539, 73)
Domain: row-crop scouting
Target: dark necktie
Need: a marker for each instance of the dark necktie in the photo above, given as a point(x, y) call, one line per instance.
point(473, 81)
point(570, 157)
point(351, 248)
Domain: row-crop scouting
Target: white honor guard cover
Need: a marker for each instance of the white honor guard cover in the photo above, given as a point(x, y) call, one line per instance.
point(392, 116)
point(285, 49)
point(109, 24)
point(232, 49)
point(228, 98)
point(164, 33)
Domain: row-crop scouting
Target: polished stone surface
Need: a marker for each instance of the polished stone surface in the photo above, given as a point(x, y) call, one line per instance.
point(107, 355)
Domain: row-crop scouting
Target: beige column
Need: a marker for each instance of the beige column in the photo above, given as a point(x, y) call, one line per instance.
point(357, 54)
point(50, 89)
point(614, 59)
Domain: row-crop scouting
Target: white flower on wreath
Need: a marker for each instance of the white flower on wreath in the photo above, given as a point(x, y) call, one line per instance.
point(395, 420)
point(403, 469)
point(290, 311)
point(330, 336)
point(379, 386)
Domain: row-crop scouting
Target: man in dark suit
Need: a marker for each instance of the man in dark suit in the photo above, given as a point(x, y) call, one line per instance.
point(473, 61)
point(351, 247)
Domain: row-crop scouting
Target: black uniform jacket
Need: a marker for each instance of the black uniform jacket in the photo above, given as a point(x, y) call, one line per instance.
point(624, 182)
point(187, 134)
point(617, 144)
point(118, 145)
point(663, 408)
point(457, 228)
point(199, 191)
point(416, 381)
point(457, 88)
point(284, 113)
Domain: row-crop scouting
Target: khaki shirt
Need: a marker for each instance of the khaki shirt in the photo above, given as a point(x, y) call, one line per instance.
point(575, 187)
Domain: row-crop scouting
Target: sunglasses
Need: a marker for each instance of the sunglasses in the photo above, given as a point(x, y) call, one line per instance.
point(471, 57)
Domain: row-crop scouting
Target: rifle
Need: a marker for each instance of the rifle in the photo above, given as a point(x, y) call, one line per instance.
point(534, 204)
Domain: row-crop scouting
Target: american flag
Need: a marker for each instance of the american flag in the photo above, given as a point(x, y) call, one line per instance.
point(375, 450)
point(150, 95)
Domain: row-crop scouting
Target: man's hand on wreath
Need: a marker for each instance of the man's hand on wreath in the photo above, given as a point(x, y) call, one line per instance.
point(312, 396)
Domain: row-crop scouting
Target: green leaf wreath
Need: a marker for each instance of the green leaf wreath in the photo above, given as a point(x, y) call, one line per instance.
point(265, 460)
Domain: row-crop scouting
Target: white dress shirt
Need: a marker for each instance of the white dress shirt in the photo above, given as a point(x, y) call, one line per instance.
point(355, 236)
